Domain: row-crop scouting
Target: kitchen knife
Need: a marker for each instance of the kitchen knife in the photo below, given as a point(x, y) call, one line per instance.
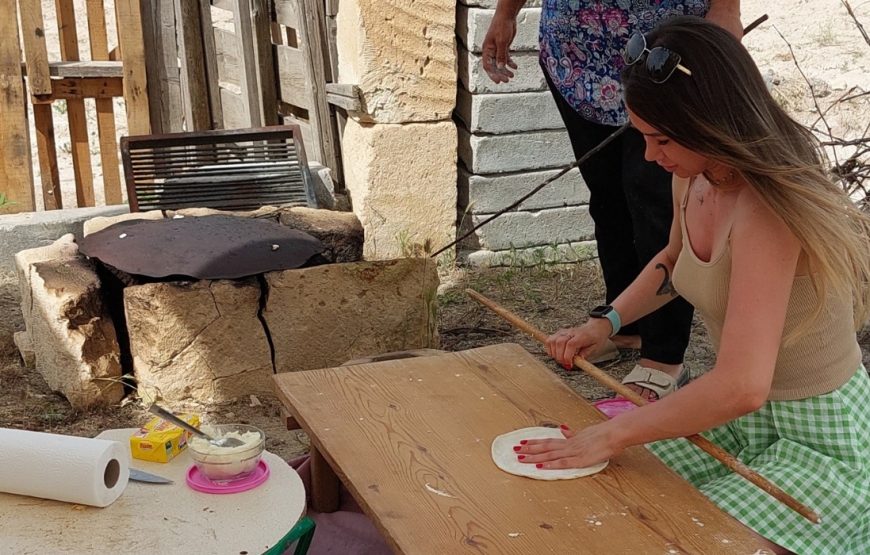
point(142, 476)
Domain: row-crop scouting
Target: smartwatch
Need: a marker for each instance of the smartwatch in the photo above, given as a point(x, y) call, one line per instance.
point(608, 312)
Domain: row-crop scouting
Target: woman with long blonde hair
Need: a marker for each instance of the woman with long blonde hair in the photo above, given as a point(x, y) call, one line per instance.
point(776, 259)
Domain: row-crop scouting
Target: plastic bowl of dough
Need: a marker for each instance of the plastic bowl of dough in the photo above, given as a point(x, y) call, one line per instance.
point(224, 465)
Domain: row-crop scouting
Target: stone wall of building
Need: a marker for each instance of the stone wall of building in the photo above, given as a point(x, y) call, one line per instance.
point(399, 153)
point(511, 139)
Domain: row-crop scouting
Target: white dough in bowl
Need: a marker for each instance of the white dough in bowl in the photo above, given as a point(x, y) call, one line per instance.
point(504, 456)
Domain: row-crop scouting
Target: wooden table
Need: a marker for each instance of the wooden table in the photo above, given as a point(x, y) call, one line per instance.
point(411, 441)
point(158, 518)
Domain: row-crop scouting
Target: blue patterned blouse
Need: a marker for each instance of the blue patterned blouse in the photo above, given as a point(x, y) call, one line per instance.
point(582, 42)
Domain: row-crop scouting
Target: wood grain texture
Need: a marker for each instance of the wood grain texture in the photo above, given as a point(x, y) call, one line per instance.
point(314, 41)
point(16, 174)
point(194, 84)
point(161, 55)
point(133, 55)
point(35, 52)
point(211, 70)
point(47, 152)
point(411, 440)
point(76, 116)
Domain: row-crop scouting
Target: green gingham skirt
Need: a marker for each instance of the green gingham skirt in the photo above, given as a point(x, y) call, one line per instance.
point(815, 449)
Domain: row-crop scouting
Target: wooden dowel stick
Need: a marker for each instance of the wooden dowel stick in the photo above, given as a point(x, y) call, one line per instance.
point(703, 443)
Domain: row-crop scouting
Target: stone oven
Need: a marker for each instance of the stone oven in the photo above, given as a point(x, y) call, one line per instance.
point(216, 340)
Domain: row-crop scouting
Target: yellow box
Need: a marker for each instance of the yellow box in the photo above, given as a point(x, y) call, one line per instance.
point(159, 440)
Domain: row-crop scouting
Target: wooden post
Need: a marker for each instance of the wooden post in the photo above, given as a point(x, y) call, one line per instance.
point(16, 174)
point(105, 109)
point(211, 71)
point(313, 38)
point(46, 146)
point(325, 486)
point(266, 80)
point(248, 60)
point(39, 81)
point(78, 123)
point(133, 55)
point(161, 66)
point(193, 74)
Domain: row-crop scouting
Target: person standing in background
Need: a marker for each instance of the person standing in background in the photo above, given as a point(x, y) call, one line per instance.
point(581, 45)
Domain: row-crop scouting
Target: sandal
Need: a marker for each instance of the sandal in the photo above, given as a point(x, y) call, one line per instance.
point(610, 352)
point(660, 383)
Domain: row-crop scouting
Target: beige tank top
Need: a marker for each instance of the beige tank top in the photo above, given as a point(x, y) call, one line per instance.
point(825, 357)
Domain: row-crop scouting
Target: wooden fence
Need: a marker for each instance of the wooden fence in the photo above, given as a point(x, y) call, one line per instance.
point(180, 65)
point(119, 72)
point(245, 63)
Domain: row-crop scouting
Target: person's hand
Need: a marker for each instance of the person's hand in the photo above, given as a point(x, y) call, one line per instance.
point(585, 340)
point(586, 447)
point(496, 48)
point(726, 14)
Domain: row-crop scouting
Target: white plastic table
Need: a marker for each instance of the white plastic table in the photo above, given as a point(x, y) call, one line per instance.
point(158, 518)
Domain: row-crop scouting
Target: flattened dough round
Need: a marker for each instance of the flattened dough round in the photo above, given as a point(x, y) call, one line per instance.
point(504, 456)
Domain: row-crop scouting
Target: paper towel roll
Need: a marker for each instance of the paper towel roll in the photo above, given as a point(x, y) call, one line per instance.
point(66, 468)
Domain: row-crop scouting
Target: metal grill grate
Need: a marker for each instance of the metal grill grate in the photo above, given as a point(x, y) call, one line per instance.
point(239, 169)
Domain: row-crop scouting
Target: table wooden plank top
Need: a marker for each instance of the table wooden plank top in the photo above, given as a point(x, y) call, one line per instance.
point(411, 440)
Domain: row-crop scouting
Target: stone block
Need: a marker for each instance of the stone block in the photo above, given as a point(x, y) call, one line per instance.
point(402, 184)
point(515, 230)
point(64, 248)
point(508, 112)
point(340, 232)
point(324, 189)
point(326, 315)
point(487, 194)
point(73, 341)
point(29, 230)
point(102, 222)
point(515, 152)
point(402, 55)
point(567, 253)
point(198, 340)
point(473, 23)
point(527, 77)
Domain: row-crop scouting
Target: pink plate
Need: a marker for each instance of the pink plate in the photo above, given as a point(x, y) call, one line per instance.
point(200, 483)
point(612, 407)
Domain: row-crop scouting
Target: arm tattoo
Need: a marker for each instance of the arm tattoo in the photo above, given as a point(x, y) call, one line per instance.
point(666, 288)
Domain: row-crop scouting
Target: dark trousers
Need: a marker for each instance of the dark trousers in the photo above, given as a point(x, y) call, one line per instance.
point(632, 207)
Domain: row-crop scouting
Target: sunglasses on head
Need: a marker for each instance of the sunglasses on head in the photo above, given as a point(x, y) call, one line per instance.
point(661, 63)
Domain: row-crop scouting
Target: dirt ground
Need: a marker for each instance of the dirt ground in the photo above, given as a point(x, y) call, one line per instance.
point(548, 298)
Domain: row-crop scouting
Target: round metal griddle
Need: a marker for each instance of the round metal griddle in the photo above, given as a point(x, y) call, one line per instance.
point(206, 247)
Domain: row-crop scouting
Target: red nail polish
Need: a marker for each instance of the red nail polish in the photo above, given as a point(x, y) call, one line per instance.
point(564, 427)
point(516, 447)
point(521, 457)
point(539, 465)
point(524, 441)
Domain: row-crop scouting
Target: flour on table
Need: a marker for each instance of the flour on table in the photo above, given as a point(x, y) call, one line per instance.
point(504, 456)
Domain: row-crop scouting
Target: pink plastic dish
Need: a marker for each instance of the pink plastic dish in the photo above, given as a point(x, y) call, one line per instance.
point(612, 407)
point(197, 481)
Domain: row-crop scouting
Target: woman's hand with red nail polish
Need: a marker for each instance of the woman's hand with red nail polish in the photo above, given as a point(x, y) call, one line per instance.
point(579, 449)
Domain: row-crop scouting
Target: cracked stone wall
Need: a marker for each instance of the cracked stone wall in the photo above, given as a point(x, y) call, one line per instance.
point(204, 340)
point(198, 340)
